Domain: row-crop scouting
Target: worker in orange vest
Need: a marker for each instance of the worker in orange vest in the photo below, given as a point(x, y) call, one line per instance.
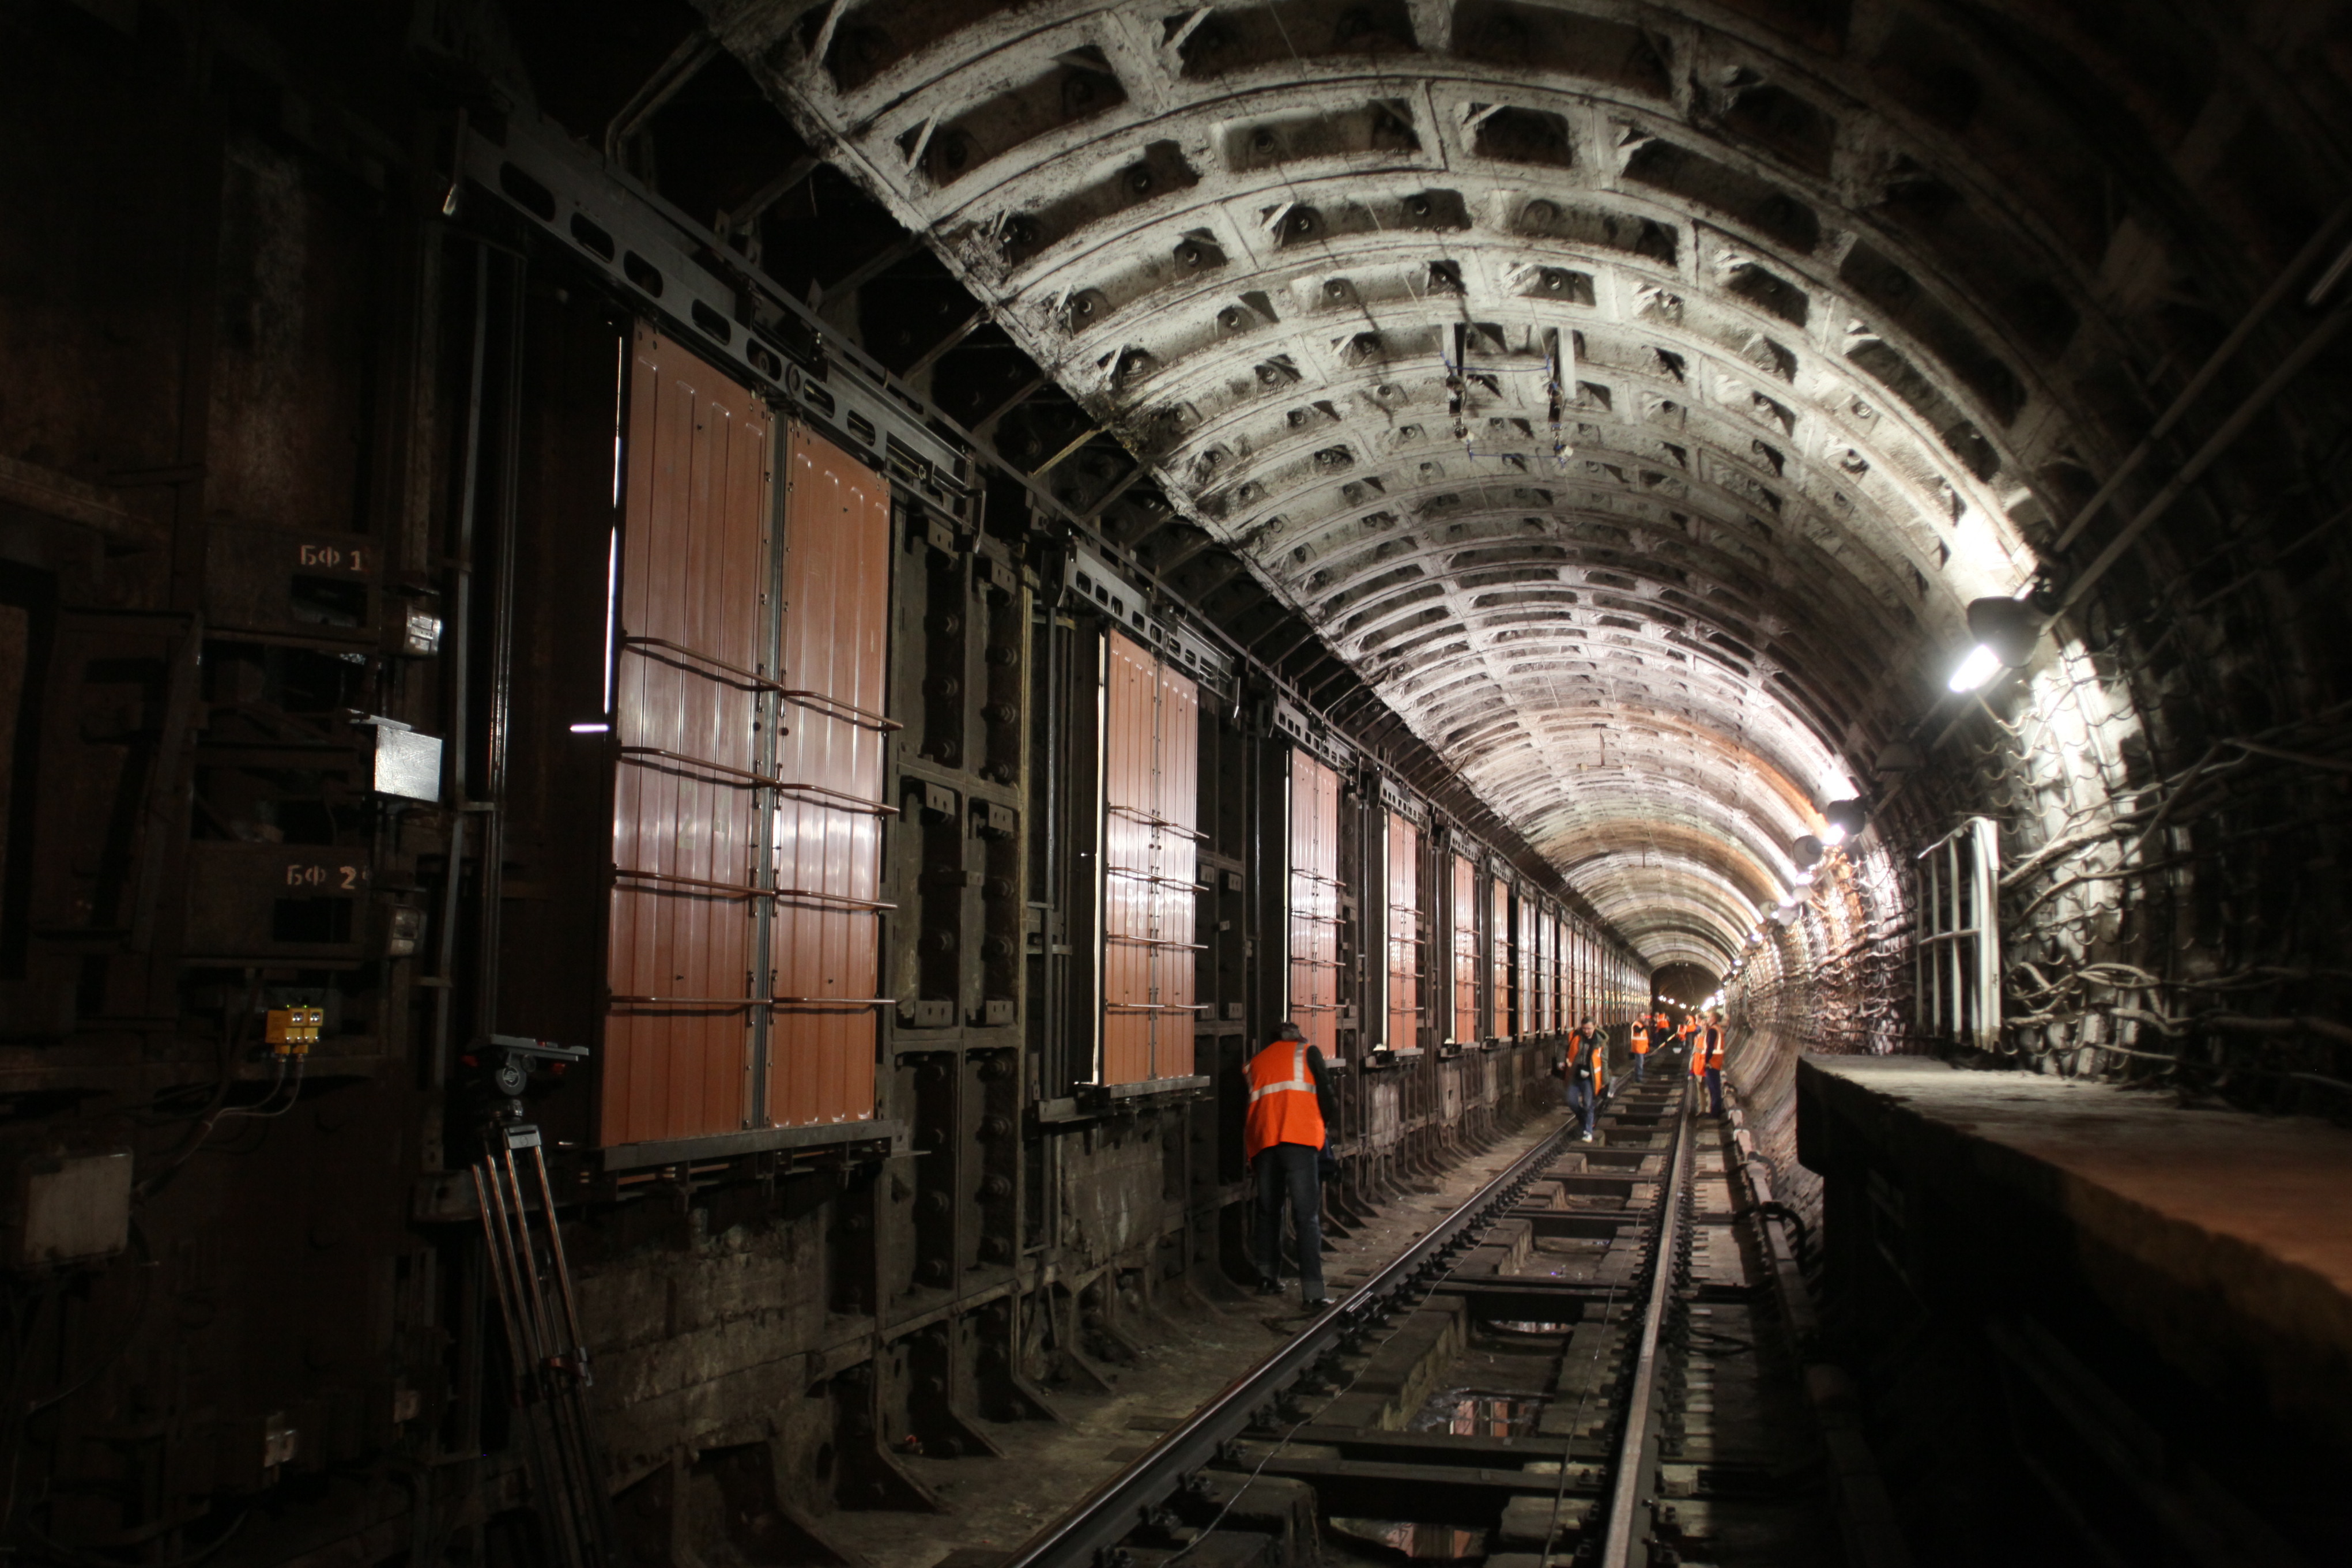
point(1706, 1061)
point(1580, 1069)
point(1641, 1047)
point(1291, 1110)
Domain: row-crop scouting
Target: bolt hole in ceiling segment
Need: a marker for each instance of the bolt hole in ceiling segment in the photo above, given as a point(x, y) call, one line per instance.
point(1635, 401)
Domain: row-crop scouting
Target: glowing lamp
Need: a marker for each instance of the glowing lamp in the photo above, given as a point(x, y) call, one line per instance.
point(1979, 666)
point(1845, 818)
point(2005, 631)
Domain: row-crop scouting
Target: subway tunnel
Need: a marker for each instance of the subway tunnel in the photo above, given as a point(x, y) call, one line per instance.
point(685, 685)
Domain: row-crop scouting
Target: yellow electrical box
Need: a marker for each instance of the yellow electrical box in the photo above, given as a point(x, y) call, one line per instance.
point(294, 1030)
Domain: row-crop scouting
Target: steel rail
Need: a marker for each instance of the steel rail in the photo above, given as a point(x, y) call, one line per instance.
point(1625, 1492)
point(1114, 1509)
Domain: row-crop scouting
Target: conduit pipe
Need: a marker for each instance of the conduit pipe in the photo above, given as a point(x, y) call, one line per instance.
point(2221, 355)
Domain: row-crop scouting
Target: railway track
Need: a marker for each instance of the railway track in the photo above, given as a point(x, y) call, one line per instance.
point(1582, 1365)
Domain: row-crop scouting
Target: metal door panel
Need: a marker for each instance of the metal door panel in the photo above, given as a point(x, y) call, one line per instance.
point(1535, 971)
point(1179, 777)
point(685, 709)
point(1150, 809)
point(1403, 931)
point(1465, 951)
point(1553, 959)
point(1129, 803)
point(825, 938)
point(1315, 900)
point(1499, 980)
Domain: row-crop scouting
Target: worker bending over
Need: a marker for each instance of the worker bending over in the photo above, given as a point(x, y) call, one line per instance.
point(1291, 1110)
point(1707, 1061)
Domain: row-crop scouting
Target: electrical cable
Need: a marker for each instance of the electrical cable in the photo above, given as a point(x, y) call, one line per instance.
point(80, 1558)
point(20, 1333)
point(1210, 1527)
point(121, 1340)
point(221, 1110)
point(294, 1092)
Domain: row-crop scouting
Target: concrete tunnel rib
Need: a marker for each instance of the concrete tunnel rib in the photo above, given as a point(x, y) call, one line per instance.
point(1572, 394)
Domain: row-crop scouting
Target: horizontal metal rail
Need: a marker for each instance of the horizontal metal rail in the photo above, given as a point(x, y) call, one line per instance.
point(1117, 1507)
point(1625, 1489)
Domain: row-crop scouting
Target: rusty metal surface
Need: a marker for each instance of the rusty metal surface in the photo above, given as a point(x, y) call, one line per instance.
point(1403, 922)
point(697, 491)
point(1315, 899)
point(825, 831)
point(1150, 810)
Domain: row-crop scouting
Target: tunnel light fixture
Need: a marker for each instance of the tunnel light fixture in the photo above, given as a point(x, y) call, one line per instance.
point(1975, 670)
point(591, 726)
point(1808, 852)
point(2004, 631)
point(1845, 818)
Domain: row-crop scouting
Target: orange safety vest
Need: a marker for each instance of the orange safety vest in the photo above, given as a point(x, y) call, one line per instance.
point(1641, 1040)
point(1707, 1054)
point(1282, 1104)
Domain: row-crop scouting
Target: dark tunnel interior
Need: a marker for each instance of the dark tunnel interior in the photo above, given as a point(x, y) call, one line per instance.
point(682, 686)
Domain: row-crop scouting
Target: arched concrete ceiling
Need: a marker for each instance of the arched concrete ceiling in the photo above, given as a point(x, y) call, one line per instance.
point(1635, 394)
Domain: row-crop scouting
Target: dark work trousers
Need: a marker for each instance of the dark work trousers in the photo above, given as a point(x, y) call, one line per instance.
point(1580, 1101)
point(1289, 1171)
point(1714, 1091)
point(1640, 1060)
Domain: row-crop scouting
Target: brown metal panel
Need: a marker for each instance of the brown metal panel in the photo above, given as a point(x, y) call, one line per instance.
point(1315, 901)
point(1178, 730)
point(1403, 933)
point(1150, 806)
point(1465, 951)
point(1129, 803)
point(1530, 965)
point(825, 948)
point(1553, 1006)
point(1539, 971)
point(1498, 979)
point(695, 525)
point(1580, 1001)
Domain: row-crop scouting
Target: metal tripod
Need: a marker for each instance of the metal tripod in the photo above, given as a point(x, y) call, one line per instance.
point(547, 1349)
